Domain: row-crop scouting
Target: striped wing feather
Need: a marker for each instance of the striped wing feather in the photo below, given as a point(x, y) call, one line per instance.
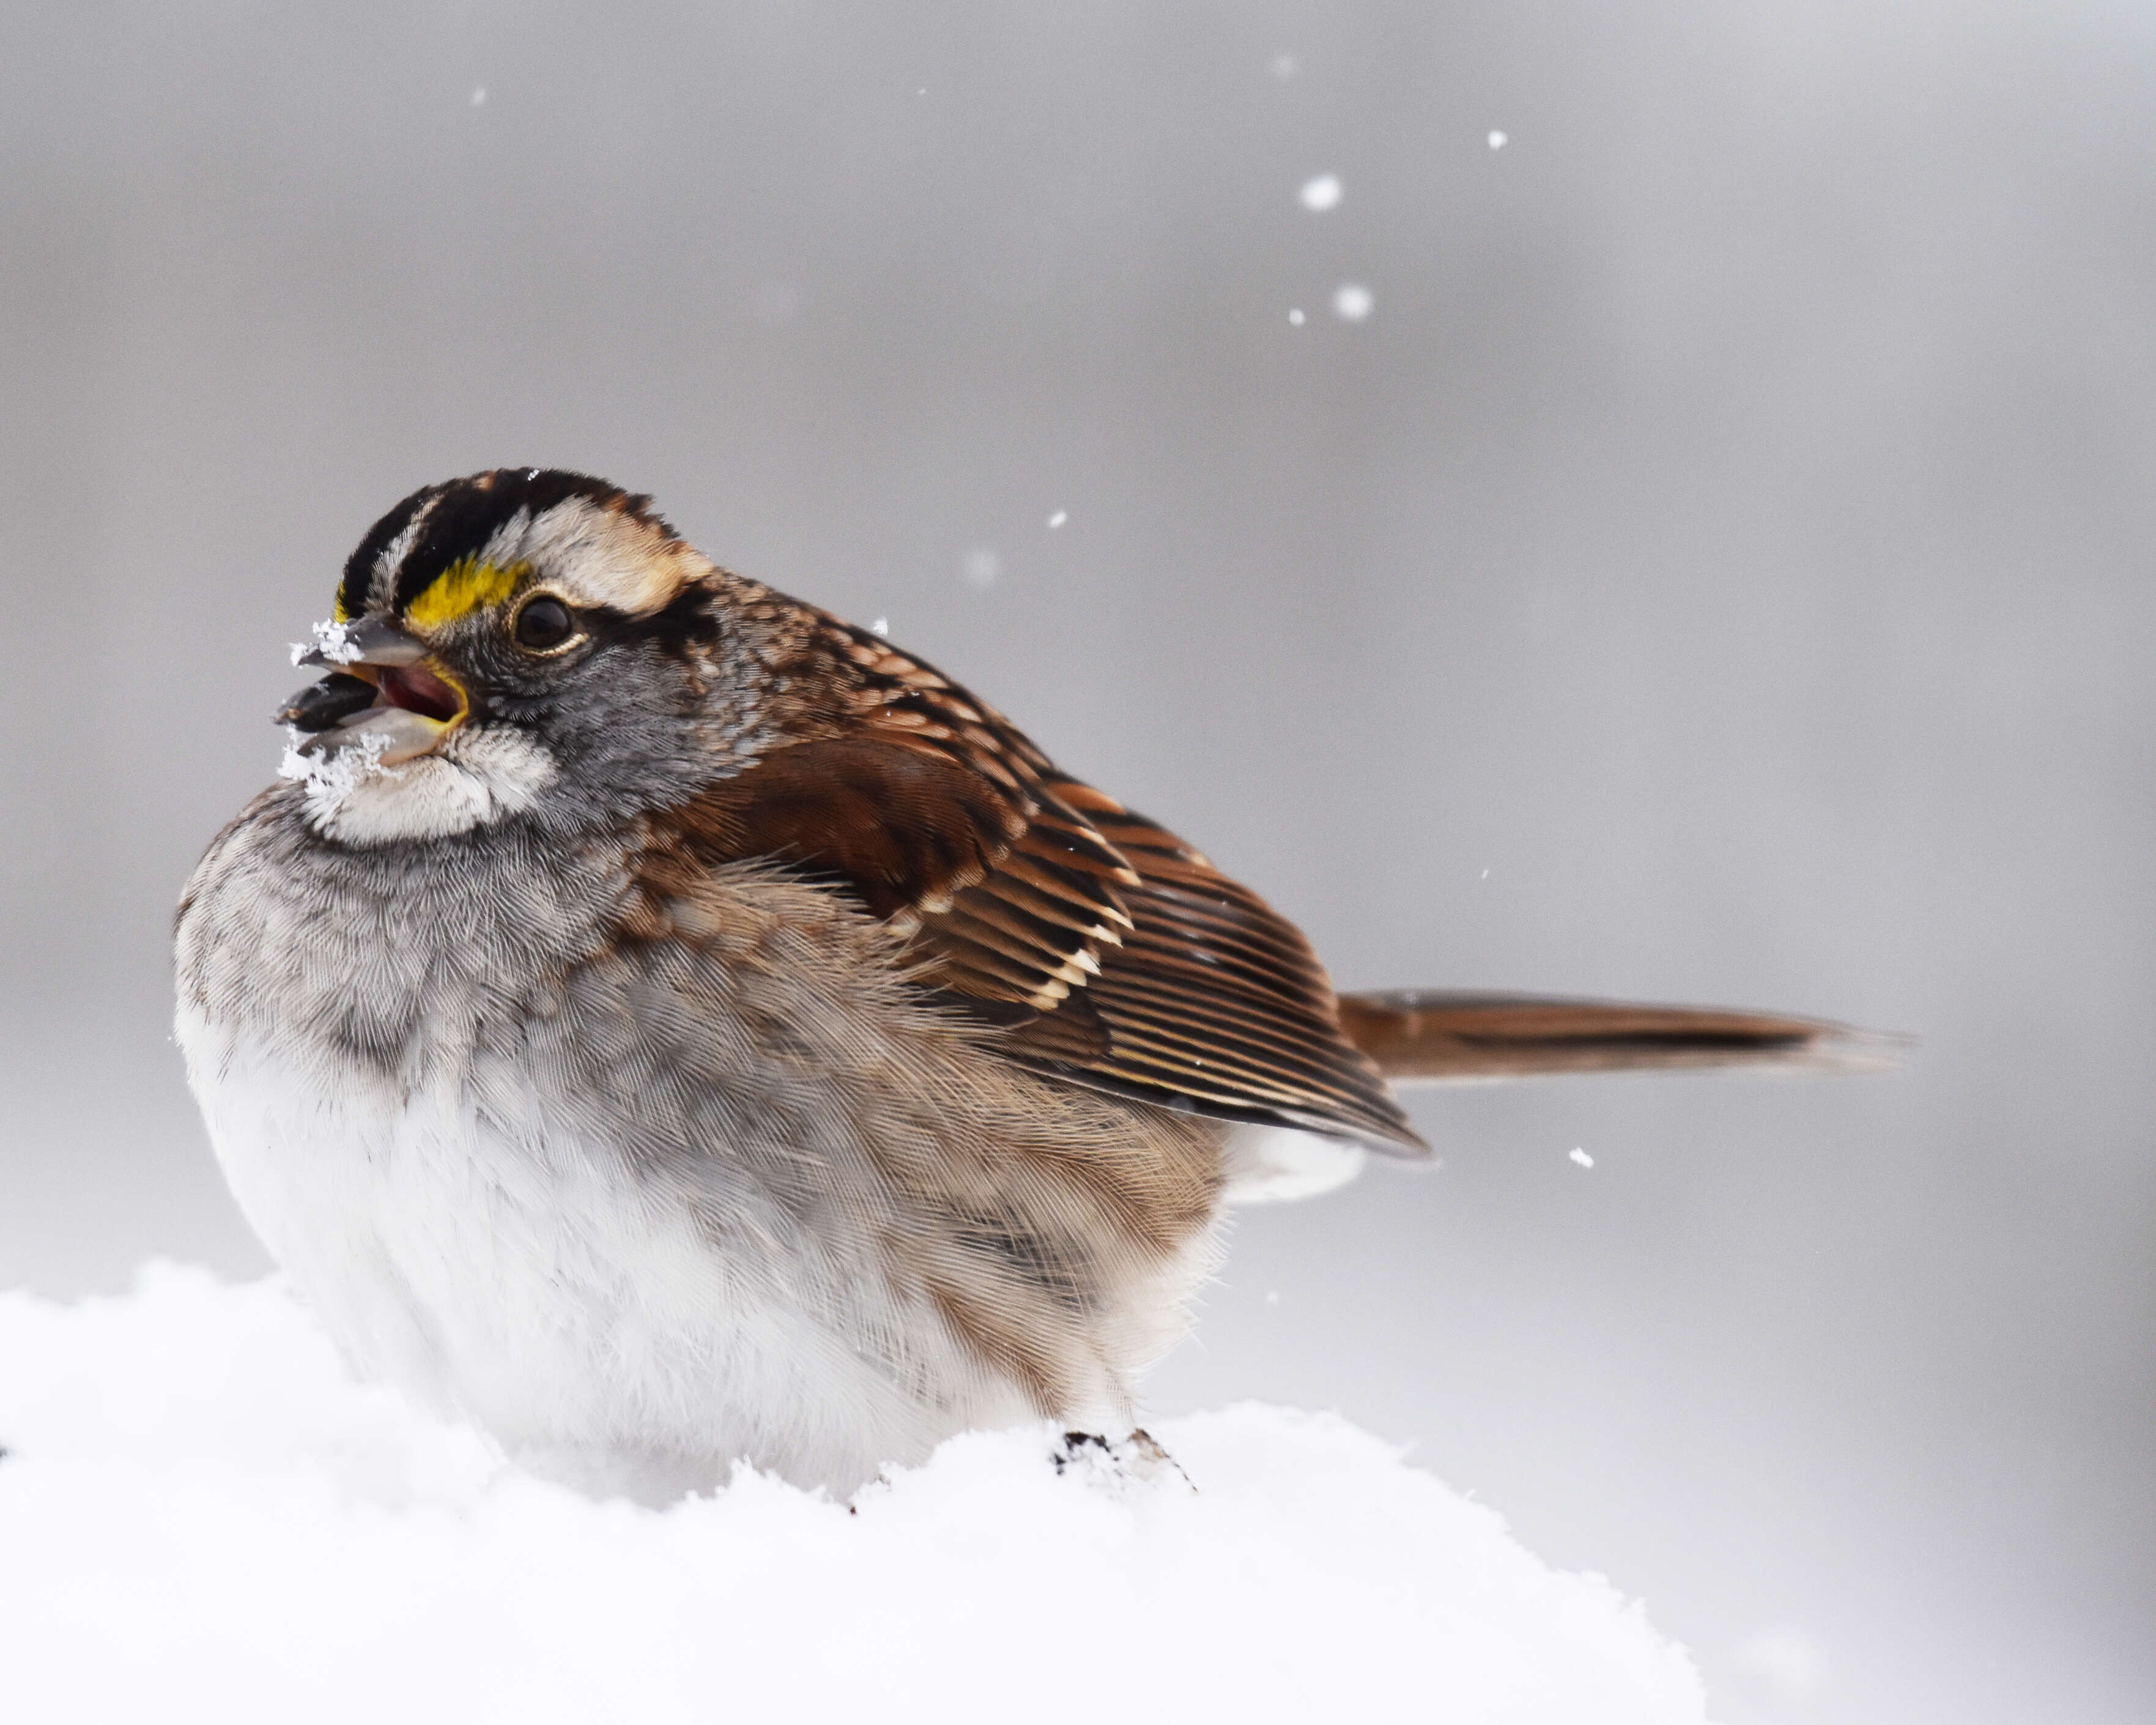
point(1217, 1001)
point(1111, 953)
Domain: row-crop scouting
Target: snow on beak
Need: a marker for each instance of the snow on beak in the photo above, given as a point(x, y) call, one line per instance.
point(378, 688)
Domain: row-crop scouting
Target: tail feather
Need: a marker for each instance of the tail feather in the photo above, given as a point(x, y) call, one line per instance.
point(1427, 1036)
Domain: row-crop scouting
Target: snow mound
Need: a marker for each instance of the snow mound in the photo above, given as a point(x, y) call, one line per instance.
point(202, 1517)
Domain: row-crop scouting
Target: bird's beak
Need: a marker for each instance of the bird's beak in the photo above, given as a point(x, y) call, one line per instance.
point(383, 694)
point(372, 640)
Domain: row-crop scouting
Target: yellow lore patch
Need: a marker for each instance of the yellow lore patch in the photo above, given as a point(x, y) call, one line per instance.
point(467, 585)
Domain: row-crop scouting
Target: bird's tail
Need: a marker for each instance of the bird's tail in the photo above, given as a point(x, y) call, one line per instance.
point(1426, 1036)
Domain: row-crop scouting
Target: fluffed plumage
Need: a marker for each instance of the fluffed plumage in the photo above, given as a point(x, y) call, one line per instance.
point(667, 1024)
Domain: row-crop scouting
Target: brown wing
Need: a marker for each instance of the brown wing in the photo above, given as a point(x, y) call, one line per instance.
point(1215, 1000)
point(1113, 953)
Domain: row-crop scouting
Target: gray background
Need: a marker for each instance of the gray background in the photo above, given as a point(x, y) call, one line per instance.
point(1717, 570)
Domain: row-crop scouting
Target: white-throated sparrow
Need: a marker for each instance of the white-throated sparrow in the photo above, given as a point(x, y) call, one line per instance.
point(668, 1024)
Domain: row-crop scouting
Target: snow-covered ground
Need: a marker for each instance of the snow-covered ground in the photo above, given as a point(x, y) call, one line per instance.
point(200, 1517)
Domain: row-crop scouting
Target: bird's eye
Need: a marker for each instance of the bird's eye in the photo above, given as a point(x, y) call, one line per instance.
point(543, 624)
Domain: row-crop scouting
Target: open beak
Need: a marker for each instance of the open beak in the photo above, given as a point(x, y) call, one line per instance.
point(378, 687)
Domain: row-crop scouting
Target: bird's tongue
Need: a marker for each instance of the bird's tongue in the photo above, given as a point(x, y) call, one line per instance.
point(416, 691)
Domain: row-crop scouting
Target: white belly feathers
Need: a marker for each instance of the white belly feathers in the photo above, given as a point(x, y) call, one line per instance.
point(539, 1291)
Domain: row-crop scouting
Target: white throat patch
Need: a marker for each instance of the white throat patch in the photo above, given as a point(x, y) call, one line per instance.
point(481, 773)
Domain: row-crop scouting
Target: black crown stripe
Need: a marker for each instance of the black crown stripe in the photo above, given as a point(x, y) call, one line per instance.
point(467, 513)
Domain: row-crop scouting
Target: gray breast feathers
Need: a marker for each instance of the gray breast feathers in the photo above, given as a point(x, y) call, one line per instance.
point(738, 1054)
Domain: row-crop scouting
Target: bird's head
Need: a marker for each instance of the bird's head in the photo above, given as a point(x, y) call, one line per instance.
point(527, 641)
